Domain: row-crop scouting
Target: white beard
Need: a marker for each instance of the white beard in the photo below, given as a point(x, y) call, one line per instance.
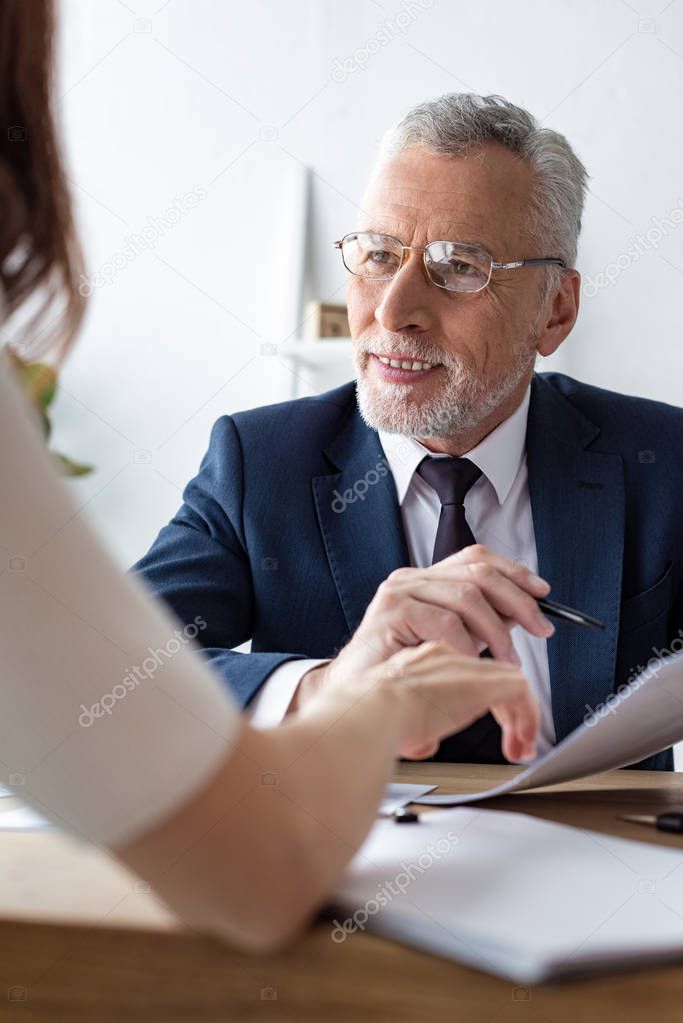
point(462, 403)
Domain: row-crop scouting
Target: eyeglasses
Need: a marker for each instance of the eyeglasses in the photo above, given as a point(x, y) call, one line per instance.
point(454, 266)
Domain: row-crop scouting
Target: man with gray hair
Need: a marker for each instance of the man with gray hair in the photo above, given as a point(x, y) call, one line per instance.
point(450, 486)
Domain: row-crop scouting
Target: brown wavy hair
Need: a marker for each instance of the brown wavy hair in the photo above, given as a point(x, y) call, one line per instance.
point(40, 257)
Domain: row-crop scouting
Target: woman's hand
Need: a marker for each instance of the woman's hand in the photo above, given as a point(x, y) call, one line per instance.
point(441, 692)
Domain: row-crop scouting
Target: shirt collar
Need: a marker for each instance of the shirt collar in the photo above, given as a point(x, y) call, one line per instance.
point(498, 455)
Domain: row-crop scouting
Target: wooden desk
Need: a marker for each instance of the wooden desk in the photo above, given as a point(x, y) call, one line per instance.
point(78, 942)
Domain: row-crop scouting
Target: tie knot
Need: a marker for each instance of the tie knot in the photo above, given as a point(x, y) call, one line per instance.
point(451, 478)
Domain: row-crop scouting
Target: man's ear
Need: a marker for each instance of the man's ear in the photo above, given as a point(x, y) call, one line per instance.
point(562, 314)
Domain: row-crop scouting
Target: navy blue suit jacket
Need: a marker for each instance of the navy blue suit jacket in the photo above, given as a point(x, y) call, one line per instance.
point(261, 550)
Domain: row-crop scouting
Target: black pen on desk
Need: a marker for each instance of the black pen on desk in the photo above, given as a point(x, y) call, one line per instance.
point(400, 816)
point(568, 614)
point(663, 822)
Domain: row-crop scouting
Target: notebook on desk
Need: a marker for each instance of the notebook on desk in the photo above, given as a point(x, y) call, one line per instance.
point(523, 898)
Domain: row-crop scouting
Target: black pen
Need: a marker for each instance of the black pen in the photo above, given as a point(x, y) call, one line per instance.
point(664, 822)
point(568, 614)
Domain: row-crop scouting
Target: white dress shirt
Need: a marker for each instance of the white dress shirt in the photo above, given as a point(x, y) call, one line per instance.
point(498, 511)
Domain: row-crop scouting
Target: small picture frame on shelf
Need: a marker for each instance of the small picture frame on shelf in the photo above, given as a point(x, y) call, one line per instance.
point(326, 320)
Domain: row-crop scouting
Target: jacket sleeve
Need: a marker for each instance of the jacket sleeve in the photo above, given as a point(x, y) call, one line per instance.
point(677, 619)
point(199, 565)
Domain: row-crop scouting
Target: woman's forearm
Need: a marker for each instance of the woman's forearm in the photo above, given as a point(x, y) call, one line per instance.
point(254, 854)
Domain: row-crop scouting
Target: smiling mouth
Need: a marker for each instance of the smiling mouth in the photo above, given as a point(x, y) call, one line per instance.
point(412, 365)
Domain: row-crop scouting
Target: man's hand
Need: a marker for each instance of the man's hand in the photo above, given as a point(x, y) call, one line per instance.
point(470, 600)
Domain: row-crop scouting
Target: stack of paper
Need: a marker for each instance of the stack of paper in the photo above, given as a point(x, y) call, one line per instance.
point(513, 895)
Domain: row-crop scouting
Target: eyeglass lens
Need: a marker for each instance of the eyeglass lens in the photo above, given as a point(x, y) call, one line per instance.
point(450, 265)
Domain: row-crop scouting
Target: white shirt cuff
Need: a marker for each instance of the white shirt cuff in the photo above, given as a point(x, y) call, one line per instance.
point(270, 704)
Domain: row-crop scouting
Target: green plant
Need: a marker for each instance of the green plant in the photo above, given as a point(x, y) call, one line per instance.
point(39, 381)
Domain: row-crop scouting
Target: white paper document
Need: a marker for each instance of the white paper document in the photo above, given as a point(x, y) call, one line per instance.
point(644, 719)
point(16, 816)
point(398, 794)
point(19, 817)
point(23, 818)
point(519, 897)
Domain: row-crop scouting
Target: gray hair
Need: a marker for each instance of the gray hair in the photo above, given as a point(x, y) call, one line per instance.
point(459, 121)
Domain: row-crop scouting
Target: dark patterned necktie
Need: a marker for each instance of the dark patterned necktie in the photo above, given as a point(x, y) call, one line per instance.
point(451, 478)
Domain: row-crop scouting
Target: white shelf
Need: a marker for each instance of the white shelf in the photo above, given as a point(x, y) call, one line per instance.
point(317, 353)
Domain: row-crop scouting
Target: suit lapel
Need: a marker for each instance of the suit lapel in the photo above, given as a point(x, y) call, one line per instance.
point(359, 517)
point(577, 504)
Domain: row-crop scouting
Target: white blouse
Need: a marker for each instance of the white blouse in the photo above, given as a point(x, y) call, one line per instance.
point(109, 718)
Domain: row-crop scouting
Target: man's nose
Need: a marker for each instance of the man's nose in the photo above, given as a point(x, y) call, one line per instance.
point(407, 299)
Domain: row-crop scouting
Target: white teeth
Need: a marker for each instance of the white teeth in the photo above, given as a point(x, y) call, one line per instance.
point(405, 364)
